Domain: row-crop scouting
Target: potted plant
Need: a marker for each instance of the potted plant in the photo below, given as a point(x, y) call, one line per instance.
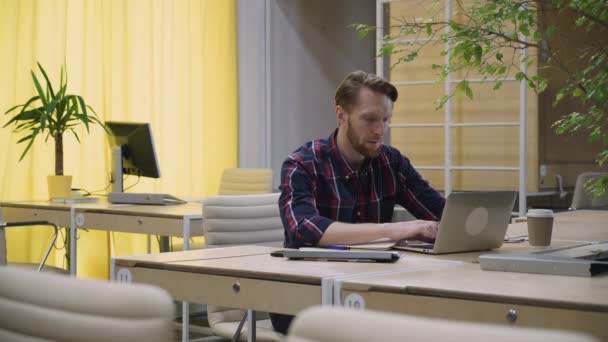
point(52, 113)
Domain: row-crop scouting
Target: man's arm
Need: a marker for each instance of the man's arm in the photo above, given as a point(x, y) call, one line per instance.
point(353, 233)
point(297, 205)
point(416, 195)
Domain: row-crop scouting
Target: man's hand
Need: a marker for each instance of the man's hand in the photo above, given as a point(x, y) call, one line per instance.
point(414, 230)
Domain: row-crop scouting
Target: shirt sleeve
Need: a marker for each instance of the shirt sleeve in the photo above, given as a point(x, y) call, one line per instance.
point(297, 205)
point(416, 195)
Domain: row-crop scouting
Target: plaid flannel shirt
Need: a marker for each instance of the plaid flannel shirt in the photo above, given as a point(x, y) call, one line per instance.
point(319, 187)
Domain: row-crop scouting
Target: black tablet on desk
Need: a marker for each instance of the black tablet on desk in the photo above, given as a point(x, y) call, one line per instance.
point(337, 255)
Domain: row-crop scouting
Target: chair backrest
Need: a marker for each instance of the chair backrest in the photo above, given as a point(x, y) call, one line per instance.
point(44, 306)
point(243, 181)
point(340, 324)
point(242, 220)
point(584, 199)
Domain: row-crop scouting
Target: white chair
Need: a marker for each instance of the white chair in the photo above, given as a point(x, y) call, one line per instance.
point(241, 220)
point(49, 307)
point(337, 324)
point(245, 181)
point(236, 181)
point(39, 267)
point(582, 198)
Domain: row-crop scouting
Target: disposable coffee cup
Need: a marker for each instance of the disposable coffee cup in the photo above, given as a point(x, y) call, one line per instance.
point(540, 227)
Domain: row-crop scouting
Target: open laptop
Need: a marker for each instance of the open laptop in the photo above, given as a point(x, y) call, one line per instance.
point(471, 221)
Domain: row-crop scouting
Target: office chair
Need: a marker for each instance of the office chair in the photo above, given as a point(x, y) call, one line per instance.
point(236, 181)
point(241, 220)
point(583, 199)
point(50, 307)
point(39, 267)
point(245, 181)
point(338, 324)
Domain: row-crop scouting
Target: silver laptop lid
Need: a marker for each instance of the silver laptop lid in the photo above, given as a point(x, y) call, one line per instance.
point(474, 221)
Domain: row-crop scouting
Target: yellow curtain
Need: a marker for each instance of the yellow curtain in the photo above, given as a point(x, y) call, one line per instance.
point(170, 63)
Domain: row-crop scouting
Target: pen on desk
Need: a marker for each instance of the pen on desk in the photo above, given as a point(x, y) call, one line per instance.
point(338, 247)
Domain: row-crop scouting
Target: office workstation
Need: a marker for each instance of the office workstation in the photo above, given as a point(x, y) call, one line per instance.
point(449, 286)
point(197, 141)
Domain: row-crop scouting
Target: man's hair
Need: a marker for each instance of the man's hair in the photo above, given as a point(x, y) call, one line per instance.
point(348, 90)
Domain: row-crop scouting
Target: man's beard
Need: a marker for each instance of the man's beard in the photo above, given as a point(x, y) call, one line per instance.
point(358, 146)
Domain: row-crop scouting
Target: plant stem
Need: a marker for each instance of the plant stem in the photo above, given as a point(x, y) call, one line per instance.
point(59, 155)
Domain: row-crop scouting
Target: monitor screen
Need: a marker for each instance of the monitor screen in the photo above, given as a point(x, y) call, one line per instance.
point(137, 147)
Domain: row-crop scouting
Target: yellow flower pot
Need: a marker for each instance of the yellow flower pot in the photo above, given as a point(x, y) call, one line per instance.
point(59, 186)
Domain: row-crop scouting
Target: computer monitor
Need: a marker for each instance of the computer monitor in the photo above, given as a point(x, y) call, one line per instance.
point(132, 152)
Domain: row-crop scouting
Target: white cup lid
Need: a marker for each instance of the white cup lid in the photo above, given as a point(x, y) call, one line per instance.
point(540, 213)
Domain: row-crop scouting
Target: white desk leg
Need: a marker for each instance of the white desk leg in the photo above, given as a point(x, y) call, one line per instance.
point(250, 326)
point(327, 285)
point(186, 305)
point(73, 233)
point(186, 234)
point(185, 321)
point(112, 269)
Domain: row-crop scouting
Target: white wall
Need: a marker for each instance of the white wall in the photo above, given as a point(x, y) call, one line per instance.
point(308, 49)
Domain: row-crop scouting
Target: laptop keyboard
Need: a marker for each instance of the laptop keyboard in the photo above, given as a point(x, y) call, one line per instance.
point(414, 244)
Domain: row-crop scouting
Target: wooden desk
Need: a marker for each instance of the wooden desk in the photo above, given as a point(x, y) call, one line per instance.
point(569, 228)
point(56, 213)
point(465, 292)
point(266, 283)
point(184, 220)
point(567, 225)
point(247, 277)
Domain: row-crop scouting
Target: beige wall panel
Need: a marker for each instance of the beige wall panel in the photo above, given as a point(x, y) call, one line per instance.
point(415, 104)
point(488, 105)
point(434, 177)
point(424, 146)
point(509, 57)
point(415, 9)
point(421, 68)
point(468, 180)
point(472, 146)
point(485, 146)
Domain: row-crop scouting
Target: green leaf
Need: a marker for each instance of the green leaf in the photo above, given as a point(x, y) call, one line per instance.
point(43, 97)
point(477, 51)
point(520, 76)
point(439, 103)
point(411, 56)
point(499, 56)
point(498, 85)
point(48, 82)
point(29, 145)
point(464, 88)
point(524, 29)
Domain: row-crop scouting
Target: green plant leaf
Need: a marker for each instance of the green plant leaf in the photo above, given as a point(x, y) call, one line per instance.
point(43, 98)
point(48, 82)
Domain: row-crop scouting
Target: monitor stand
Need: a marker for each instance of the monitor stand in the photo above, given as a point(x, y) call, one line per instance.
point(116, 173)
point(143, 198)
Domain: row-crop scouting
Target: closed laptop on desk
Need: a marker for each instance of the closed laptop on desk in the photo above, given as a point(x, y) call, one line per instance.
point(471, 221)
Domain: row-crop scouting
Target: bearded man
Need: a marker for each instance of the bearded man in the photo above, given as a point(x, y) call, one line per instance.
point(343, 189)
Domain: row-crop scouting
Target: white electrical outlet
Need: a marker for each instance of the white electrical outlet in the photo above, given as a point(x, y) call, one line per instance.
point(543, 170)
